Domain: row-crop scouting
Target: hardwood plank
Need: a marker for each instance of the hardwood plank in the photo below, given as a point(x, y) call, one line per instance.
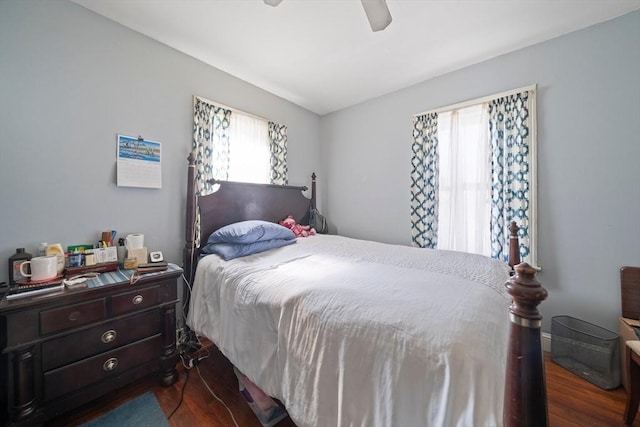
point(573, 401)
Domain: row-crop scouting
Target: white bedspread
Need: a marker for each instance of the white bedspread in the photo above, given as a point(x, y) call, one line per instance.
point(348, 332)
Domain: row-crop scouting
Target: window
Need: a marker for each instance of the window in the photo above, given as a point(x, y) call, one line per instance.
point(249, 155)
point(473, 172)
point(464, 208)
point(233, 145)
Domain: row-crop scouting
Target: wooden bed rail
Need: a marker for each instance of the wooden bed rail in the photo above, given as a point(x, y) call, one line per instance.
point(525, 398)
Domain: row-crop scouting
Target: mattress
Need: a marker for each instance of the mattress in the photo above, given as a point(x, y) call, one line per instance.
point(347, 332)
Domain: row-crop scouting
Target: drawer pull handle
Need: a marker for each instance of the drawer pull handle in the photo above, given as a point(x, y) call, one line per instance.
point(110, 364)
point(109, 336)
point(137, 299)
point(73, 316)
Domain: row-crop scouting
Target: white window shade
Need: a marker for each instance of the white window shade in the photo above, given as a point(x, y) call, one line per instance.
point(248, 149)
point(464, 210)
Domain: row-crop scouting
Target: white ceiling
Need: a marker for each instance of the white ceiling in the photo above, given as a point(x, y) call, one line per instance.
point(322, 54)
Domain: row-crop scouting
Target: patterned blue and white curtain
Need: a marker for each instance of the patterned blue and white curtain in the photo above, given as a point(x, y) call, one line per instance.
point(278, 149)
point(511, 128)
point(210, 148)
point(210, 144)
point(424, 181)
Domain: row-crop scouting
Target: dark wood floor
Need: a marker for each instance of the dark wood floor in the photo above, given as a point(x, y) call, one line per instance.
point(572, 400)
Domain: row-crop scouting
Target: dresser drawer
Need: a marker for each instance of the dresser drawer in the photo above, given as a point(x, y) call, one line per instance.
point(62, 318)
point(73, 347)
point(134, 300)
point(112, 363)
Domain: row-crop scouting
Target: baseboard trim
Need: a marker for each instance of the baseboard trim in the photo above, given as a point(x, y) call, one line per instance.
point(546, 342)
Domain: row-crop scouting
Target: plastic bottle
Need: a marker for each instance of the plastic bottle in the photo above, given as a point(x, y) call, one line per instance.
point(14, 265)
point(42, 249)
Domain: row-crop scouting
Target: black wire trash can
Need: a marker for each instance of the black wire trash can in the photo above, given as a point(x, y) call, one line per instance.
point(587, 350)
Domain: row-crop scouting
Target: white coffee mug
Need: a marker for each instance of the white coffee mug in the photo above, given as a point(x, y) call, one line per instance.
point(42, 268)
point(134, 241)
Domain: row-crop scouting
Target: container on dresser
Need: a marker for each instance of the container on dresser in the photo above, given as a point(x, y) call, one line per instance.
point(64, 349)
point(14, 265)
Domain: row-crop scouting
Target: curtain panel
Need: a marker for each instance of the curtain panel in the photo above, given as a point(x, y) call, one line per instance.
point(210, 144)
point(512, 139)
point(278, 149)
point(424, 181)
point(210, 148)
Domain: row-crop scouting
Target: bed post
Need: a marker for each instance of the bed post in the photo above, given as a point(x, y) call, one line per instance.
point(525, 398)
point(187, 253)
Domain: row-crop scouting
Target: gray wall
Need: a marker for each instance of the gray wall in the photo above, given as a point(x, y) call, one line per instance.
point(70, 81)
point(589, 154)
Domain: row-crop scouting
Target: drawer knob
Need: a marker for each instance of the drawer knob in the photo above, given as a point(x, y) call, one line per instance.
point(110, 364)
point(137, 299)
point(74, 316)
point(109, 336)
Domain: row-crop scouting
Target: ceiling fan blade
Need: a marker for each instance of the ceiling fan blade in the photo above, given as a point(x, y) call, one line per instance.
point(377, 13)
point(272, 2)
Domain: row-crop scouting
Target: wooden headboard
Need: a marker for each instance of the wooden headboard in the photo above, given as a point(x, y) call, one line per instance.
point(239, 201)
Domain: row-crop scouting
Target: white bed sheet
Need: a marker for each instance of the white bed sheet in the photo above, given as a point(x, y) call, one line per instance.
point(348, 332)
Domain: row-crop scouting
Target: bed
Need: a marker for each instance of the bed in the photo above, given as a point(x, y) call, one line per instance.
point(346, 332)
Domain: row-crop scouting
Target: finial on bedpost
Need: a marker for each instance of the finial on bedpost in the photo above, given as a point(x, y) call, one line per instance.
point(527, 293)
point(525, 399)
point(191, 159)
point(514, 245)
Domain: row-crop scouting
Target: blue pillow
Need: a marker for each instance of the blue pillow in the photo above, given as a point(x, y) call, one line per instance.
point(229, 251)
point(250, 232)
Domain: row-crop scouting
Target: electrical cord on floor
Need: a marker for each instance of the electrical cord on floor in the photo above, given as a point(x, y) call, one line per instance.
point(193, 352)
point(186, 380)
point(216, 397)
point(188, 362)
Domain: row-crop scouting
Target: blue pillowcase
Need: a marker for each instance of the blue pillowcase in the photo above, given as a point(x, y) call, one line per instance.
point(228, 251)
point(247, 238)
point(250, 232)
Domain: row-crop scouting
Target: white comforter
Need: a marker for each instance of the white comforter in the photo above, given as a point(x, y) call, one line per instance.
point(348, 332)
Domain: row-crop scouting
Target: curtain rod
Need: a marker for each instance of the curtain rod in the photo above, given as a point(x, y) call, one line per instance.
point(226, 107)
point(477, 100)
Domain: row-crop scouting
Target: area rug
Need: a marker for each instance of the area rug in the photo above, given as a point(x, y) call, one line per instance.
point(143, 411)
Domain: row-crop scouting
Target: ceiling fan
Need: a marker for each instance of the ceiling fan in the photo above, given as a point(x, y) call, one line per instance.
point(377, 12)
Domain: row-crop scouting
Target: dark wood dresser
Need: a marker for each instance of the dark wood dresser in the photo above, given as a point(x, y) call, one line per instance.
point(64, 349)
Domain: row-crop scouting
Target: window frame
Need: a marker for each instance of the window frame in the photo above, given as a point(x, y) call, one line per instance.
point(533, 190)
